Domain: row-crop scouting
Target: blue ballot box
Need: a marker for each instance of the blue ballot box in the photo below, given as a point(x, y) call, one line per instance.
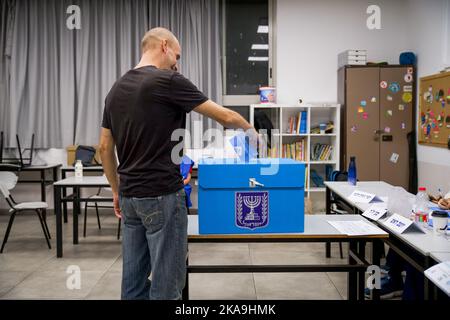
point(245, 197)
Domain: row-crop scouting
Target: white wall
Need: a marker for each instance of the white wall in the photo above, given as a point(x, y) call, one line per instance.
point(429, 36)
point(311, 34)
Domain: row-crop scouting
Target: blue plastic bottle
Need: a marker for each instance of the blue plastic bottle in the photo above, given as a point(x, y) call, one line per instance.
point(352, 171)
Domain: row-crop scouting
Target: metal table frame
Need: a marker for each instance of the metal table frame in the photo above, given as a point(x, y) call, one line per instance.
point(64, 171)
point(42, 177)
point(356, 266)
point(418, 260)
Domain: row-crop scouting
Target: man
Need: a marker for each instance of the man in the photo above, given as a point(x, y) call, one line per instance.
point(142, 110)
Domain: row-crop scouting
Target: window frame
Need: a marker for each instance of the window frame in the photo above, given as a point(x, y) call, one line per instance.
point(240, 100)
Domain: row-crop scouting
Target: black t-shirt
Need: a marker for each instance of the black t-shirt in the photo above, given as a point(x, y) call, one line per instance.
point(142, 110)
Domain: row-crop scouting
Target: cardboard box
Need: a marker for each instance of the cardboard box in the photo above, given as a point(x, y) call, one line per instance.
point(241, 198)
point(71, 155)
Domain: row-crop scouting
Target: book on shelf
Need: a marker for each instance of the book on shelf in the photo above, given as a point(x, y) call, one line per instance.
point(297, 124)
point(295, 150)
point(321, 152)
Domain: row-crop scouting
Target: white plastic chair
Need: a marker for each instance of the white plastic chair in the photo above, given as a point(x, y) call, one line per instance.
point(8, 181)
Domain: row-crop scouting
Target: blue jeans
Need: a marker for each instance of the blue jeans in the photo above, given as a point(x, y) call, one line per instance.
point(154, 242)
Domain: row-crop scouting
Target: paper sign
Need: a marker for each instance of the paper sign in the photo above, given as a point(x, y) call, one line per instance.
point(363, 197)
point(440, 276)
point(375, 211)
point(394, 157)
point(356, 228)
point(397, 223)
point(407, 88)
point(408, 78)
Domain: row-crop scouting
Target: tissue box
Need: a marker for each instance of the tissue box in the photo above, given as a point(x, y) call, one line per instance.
point(244, 198)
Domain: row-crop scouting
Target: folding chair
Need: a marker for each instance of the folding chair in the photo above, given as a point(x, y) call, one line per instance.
point(22, 160)
point(8, 181)
point(96, 206)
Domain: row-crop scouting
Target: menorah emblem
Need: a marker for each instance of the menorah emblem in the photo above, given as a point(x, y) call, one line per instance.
point(252, 209)
point(252, 202)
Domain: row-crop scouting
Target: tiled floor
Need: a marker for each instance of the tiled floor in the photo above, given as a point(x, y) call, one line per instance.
point(29, 270)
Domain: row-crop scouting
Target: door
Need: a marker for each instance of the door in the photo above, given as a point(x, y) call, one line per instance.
point(396, 113)
point(362, 121)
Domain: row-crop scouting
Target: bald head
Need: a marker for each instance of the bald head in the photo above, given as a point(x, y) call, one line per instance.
point(152, 39)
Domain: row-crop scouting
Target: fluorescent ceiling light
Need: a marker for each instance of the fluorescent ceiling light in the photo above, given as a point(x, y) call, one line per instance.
point(263, 29)
point(258, 58)
point(260, 47)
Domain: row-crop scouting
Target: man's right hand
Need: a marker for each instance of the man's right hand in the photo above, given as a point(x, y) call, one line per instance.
point(117, 211)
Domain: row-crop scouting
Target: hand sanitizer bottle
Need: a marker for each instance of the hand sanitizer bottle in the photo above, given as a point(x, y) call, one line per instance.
point(79, 169)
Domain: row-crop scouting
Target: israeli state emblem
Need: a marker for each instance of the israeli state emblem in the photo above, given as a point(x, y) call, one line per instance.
point(252, 209)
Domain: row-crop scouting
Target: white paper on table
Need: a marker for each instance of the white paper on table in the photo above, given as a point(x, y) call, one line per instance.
point(375, 211)
point(363, 197)
point(440, 276)
point(356, 228)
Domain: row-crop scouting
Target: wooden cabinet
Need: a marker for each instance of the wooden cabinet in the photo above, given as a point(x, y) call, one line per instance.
point(377, 114)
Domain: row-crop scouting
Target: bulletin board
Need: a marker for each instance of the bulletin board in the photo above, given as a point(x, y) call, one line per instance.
point(434, 110)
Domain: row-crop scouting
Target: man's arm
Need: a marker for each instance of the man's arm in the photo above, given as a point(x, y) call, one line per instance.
point(109, 163)
point(226, 117)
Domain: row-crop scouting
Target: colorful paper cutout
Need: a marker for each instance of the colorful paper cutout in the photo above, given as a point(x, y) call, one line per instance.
point(389, 97)
point(407, 97)
point(360, 109)
point(383, 84)
point(353, 129)
point(375, 99)
point(365, 115)
point(401, 107)
point(387, 129)
point(363, 103)
point(403, 125)
point(394, 87)
point(408, 78)
point(389, 113)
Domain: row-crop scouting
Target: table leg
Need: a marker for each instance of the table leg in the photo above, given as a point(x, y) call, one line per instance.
point(75, 213)
point(57, 204)
point(64, 193)
point(352, 285)
point(427, 284)
point(185, 293)
point(43, 195)
point(361, 274)
point(377, 249)
point(328, 211)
